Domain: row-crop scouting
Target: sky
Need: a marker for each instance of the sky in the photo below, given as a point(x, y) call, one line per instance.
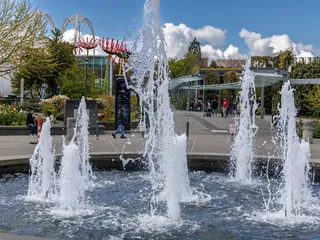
point(226, 29)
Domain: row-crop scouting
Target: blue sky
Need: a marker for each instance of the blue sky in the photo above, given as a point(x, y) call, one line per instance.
point(297, 19)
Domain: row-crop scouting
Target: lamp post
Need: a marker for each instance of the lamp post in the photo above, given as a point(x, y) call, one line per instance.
point(86, 79)
point(87, 45)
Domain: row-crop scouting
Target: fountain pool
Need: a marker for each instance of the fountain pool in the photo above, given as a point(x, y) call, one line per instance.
point(118, 208)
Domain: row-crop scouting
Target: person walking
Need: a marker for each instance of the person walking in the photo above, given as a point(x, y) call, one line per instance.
point(121, 122)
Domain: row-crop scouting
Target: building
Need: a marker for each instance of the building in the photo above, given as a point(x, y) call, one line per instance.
point(5, 87)
point(230, 63)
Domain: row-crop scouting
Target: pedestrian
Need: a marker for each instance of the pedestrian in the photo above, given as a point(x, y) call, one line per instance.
point(121, 115)
point(31, 123)
point(225, 106)
point(215, 107)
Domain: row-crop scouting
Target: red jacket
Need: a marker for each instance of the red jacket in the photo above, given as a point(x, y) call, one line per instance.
point(225, 104)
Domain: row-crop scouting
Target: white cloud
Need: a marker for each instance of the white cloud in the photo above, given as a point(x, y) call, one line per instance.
point(259, 46)
point(212, 53)
point(179, 37)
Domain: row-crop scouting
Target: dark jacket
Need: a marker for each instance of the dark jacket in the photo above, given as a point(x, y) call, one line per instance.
point(30, 119)
point(121, 116)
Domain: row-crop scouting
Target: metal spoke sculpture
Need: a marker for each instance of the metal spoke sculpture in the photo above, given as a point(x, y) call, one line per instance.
point(78, 23)
point(116, 51)
point(87, 45)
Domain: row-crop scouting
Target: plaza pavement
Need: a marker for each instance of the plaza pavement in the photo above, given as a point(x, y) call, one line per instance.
point(206, 136)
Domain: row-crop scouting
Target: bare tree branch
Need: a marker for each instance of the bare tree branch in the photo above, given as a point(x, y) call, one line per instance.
point(21, 27)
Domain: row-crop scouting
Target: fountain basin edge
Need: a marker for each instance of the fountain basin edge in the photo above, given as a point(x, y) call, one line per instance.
point(208, 162)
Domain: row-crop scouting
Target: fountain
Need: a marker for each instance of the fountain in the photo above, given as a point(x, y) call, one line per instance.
point(75, 176)
point(42, 182)
point(165, 151)
point(121, 200)
point(242, 153)
point(295, 157)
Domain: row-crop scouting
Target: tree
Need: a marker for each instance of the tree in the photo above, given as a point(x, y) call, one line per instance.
point(63, 57)
point(305, 94)
point(38, 67)
point(230, 77)
point(213, 64)
point(195, 49)
point(211, 78)
point(44, 67)
point(283, 59)
point(21, 27)
point(73, 83)
point(314, 101)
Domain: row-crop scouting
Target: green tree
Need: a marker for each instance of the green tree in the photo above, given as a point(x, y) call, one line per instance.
point(37, 68)
point(195, 49)
point(314, 101)
point(44, 67)
point(283, 59)
point(21, 27)
point(63, 57)
point(230, 77)
point(213, 64)
point(305, 94)
point(73, 83)
point(211, 78)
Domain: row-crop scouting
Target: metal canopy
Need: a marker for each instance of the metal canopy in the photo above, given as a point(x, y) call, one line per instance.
point(182, 80)
point(261, 80)
point(311, 81)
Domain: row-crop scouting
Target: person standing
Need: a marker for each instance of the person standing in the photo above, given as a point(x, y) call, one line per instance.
point(121, 121)
point(225, 106)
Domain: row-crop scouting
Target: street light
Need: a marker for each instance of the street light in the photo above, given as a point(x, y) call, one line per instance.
point(86, 78)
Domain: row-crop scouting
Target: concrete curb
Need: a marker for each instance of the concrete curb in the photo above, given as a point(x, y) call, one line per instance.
point(208, 162)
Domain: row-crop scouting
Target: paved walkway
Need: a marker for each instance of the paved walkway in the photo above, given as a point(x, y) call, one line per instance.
point(201, 138)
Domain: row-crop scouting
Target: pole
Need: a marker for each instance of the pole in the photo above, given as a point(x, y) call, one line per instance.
point(262, 103)
point(187, 131)
point(219, 100)
point(110, 77)
point(120, 66)
point(203, 87)
point(97, 130)
point(21, 90)
point(188, 107)
point(86, 79)
point(106, 77)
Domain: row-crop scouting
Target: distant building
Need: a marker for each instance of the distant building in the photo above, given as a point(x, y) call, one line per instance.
point(5, 87)
point(306, 58)
point(230, 63)
point(204, 63)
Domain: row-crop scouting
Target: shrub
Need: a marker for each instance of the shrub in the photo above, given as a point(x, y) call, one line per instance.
point(49, 107)
point(58, 102)
point(316, 128)
point(30, 105)
point(9, 116)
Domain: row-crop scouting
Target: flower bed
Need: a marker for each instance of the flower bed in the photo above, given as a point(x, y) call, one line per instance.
point(9, 116)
